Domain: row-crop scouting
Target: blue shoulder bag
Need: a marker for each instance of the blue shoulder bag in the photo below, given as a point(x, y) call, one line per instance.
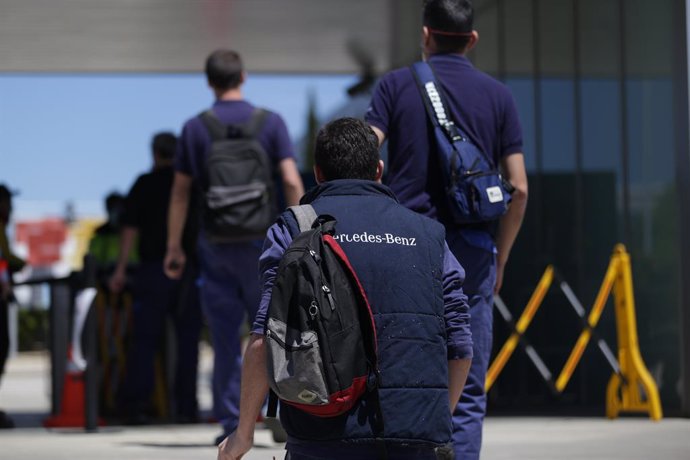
point(475, 189)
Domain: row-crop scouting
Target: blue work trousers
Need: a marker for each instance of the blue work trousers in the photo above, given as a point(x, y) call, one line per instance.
point(230, 293)
point(157, 297)
point(480, 278)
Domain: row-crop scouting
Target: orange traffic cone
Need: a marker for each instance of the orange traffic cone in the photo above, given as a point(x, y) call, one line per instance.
point(72, 413)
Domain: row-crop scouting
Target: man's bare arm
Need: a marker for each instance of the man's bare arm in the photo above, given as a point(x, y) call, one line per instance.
point(253, 393)
point(177, 216)
point(457, 375)
point(379, 134)
point(513, 168)
point(292, 181)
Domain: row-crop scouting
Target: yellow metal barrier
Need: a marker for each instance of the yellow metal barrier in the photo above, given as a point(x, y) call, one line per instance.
point(631, 387)
point(592, 321)
point(520, 328)
point(623, 394)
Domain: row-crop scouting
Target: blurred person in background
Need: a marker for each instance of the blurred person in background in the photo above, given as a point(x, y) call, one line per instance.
point(157, 297)
point(9, 263)
point(229, 279)
point(105, 243)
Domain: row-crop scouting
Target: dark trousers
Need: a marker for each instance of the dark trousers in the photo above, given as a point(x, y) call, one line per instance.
point(4, 336)
point(156, 297)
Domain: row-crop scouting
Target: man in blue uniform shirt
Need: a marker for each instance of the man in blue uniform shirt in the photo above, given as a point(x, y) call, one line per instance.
point(413, 284)
point(229, 279)
point(484, 109)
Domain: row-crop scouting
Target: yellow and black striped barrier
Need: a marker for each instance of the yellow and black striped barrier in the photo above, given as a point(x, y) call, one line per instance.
point(519, 329)
point(631, 387)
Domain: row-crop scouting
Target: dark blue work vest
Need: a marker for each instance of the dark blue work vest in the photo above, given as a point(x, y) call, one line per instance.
point(398, 256)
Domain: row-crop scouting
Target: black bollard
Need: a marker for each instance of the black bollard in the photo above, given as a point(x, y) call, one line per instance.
point(90, 347)
point(60, 305)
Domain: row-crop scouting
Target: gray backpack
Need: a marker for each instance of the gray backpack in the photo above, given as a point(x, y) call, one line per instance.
point(239, 198)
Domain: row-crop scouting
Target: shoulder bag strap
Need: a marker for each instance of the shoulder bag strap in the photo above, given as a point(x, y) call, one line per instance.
point(428, 87)
point(428, 83)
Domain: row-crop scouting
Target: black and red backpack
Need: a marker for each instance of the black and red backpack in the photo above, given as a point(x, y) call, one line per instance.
point(320, 331)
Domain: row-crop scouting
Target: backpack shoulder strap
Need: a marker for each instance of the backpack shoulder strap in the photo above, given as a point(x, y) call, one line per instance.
point(252, 127)
point(215, 127)
point(218, 130)
point(305, 216)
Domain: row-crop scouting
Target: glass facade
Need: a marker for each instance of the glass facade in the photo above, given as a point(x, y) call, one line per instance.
point(595, 87)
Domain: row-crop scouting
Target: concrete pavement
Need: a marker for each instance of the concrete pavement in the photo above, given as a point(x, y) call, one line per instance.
point(24, 395)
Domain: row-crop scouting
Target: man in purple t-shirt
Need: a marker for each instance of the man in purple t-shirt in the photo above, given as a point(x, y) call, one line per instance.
point(484, 109)
point(229, 283)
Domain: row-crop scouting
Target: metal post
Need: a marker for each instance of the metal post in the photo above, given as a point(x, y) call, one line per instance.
point(682, 119)
point(536, 184)
point(625, 149)
point(60, 304)
point(406, 32)
point(90, 343)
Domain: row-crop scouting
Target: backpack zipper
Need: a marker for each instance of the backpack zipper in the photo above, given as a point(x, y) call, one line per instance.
point(325, 288)
point(274, 336)
point(329, 296)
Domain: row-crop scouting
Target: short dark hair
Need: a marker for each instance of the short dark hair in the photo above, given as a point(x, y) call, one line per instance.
point(224, 69)
point(5, 202)
point(450, 16)
point(164, 144)
point(114, 201)
point(347, 148)
point(5, 193)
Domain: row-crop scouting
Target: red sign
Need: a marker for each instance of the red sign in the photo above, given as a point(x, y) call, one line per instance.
point(44, 239)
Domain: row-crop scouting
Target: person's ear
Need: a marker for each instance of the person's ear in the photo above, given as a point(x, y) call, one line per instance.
point(243, 77)
point(379, 171)
point(426, 40)
point(474, 38)
point(318, 174)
